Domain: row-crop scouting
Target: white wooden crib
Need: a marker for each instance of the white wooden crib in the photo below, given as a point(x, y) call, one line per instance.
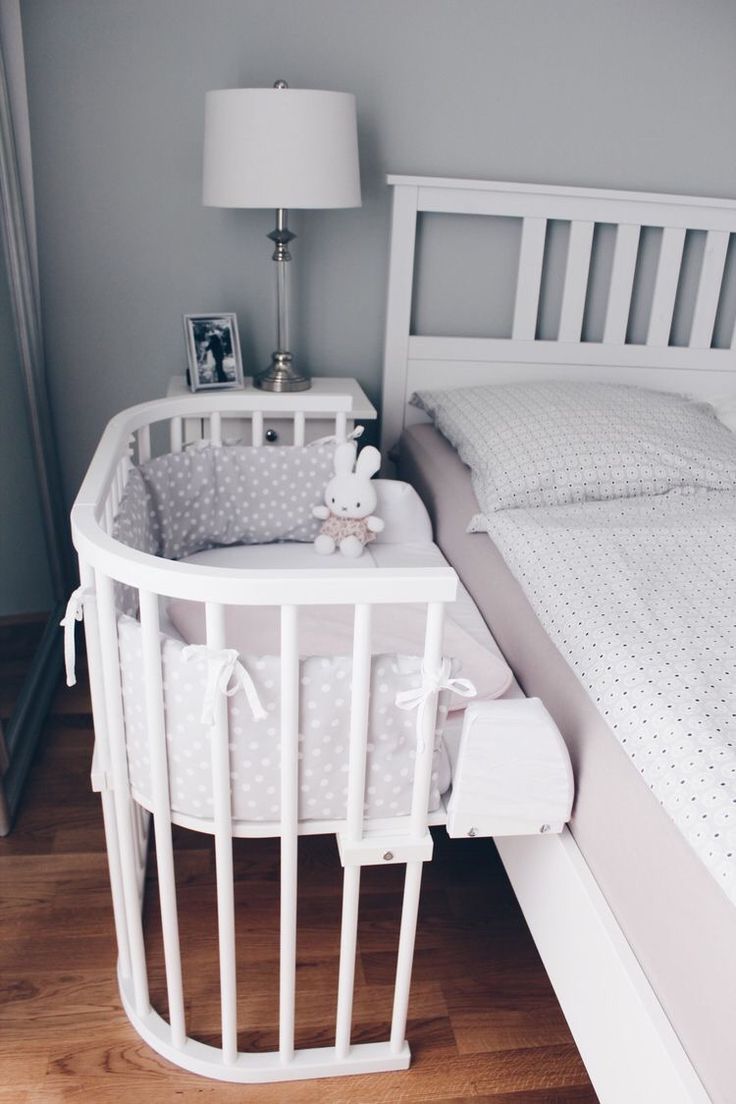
point(105, 563)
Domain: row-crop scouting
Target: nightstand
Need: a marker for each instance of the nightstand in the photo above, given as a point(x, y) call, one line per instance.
point(279, 431)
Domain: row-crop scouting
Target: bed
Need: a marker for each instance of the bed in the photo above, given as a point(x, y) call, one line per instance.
point(609, 287)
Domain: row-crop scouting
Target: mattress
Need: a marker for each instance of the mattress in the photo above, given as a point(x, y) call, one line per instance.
point(678, 921)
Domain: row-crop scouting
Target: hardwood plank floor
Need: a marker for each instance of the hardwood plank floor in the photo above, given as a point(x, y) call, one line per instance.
point(484, 1025)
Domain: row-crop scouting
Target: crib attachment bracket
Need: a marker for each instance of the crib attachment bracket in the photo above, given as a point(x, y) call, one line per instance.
point(378, 849)
point(513, 775)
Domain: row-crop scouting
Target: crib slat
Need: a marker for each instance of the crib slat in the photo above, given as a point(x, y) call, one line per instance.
point(289, 826)
point(109, 516)
point(576, 281)
point(425, 738)
point(529, 279)
point(709, 289)
point(176, 435)
point(622, 283)
point(144, 444)
point(348, 950)
point(299, 426)
point(215, 429)
point(220, 753)
point(665, 287)
point(257, 428)
point(117, 487)
point(359, 703)
point(419, 806)
point(122, 798)
point(405, 957)
point(155, 725)
point(341, 426)
point(359, 708)
point(102, 752)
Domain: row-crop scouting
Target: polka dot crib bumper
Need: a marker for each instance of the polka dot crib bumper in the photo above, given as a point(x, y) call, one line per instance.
point(324, 727)
point(182, 503)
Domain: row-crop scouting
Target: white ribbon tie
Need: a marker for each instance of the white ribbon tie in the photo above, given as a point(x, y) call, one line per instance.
point(222, 667)
point(74, 613)
point(333, 439)
point(432, 683)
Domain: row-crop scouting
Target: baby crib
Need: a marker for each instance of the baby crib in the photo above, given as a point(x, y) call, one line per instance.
point(105, 564)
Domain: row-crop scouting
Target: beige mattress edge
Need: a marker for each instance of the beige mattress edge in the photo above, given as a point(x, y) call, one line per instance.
point(676, 918)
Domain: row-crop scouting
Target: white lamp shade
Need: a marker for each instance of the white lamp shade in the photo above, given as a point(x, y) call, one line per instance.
point(280, 147)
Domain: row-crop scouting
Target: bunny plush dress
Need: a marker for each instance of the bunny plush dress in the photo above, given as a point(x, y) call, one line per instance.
point(341, 527)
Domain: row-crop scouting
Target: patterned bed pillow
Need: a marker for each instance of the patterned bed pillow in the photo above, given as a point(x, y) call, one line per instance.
point(555, 442)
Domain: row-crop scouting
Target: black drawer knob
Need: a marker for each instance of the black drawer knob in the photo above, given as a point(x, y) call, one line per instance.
point(271, 436)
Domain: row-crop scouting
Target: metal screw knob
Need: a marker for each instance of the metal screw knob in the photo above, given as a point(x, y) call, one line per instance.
point(388, 855)
point(545, 828)
point(472, 832)
point(271, 435)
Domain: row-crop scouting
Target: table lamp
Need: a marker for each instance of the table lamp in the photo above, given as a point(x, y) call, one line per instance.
point(283, 148)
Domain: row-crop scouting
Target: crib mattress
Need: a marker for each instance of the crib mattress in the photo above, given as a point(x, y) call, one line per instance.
point(678, 921)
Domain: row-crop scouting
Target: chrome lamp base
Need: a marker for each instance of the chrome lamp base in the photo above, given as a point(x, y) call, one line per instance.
point(282, 376)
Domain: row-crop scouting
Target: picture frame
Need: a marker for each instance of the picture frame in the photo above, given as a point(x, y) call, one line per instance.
point(213, 351)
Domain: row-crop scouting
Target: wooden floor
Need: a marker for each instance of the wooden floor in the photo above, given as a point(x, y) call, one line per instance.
point(484, 1025)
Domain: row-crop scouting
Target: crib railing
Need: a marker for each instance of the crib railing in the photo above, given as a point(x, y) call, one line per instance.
point(396, 840)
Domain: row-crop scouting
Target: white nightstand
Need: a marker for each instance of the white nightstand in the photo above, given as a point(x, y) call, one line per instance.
point(279, 431)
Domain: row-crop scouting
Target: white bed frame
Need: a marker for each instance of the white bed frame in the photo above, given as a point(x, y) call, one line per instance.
point(630, 1050)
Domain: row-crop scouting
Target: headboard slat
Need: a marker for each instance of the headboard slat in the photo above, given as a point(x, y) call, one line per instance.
point(665, 287)
point(529, 281)
point(709, 289)
point(622, 284)
point(576, 281)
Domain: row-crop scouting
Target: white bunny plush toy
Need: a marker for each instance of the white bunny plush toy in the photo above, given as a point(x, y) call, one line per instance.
point(350, 499)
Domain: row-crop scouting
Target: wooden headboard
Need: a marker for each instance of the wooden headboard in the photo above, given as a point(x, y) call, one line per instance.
point(694, 367)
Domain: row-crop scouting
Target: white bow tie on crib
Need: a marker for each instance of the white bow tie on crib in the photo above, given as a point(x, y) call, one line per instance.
point(333, 439)
point(74, 613)
point(222, 666)
point(432, 683)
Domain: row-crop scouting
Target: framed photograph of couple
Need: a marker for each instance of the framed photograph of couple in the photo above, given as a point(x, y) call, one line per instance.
point(213, 351)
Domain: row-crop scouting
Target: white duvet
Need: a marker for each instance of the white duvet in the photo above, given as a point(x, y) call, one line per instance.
point(639, 594)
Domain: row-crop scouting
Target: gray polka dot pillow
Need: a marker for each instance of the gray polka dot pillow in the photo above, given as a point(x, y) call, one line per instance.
point(184, 502)
point(556, 442)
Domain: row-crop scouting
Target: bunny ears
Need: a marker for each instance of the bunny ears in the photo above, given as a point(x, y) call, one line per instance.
point(367, 464)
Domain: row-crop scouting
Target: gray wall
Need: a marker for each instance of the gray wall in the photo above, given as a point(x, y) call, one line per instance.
point(621, 93)
point(25, 584)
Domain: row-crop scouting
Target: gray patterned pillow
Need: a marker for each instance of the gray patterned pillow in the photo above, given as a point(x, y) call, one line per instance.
point(555, 442)
point(184, 502)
